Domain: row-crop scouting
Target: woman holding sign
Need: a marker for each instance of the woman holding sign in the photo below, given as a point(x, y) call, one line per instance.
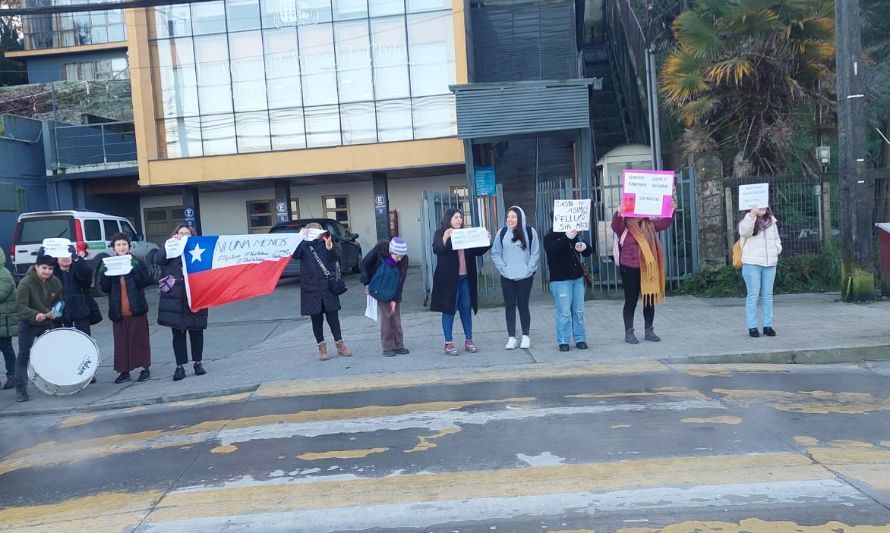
point(127, 309)
point(564, 251)
point(455, 287)
point(641, 261)
point(515, 252)
point(761, 246)
point(174, 310)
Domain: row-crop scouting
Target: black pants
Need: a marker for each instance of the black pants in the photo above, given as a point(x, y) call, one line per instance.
point(82, 325)
point(630, 278)
point(27, 334)
point(8, 355)
point(196, 336)
point(333, 323)
point(517, 294)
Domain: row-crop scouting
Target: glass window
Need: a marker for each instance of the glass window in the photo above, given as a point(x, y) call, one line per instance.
point(82, 27)
point(431, 52)
point(34, 230)
point(279, 13)
point(336, 208)
point(358, 123)
point(415, 6)
point(243, 15)
point(116, 33)
point(353, 61)
point(381, 8)
point(312, 12)
point(390, 58)
point(248, 76)
point(287, 129)
point(350, 9)
point(322, 126)
point(176, 85)
point(99, 34)
point(218, 134)
point(394, 120)
point(282, 68)
point(317, 65)
point(212, 61)
point(253, 131)
point(111, 228)
point(260, 218)
point(433, 117)
point(295, 209)
point(171, 21)
point(128, 230)
point(92, 230)
point(180, 137)
point(208, 17)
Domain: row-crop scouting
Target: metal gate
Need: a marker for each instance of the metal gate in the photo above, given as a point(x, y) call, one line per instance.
point(490, 209)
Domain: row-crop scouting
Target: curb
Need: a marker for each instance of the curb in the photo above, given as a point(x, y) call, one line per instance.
point(823, 356)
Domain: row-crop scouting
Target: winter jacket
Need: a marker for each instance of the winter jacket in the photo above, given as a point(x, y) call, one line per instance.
point(9, 314)
point(507, 254)
point(762, 249)
point(562, 259)
point(76, 284)
point(630, 249)
point(34, 296)
point(315, 290)
point(375, 258)
point(173, 306)
point(446, 275)
point(136, 282)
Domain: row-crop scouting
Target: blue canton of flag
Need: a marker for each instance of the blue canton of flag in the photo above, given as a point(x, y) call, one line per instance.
point(198, 254)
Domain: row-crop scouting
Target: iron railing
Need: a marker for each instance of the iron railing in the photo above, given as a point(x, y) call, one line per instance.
point(93, 144)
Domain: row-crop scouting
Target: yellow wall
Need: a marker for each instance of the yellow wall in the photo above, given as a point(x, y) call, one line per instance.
point(315, 161)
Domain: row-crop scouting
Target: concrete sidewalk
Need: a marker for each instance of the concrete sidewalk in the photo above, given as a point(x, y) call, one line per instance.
point(262, 341)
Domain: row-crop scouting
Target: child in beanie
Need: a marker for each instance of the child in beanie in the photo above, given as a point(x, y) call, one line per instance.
point(385, 263)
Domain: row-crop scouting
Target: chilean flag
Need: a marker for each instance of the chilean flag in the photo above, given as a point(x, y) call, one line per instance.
point(228, 268)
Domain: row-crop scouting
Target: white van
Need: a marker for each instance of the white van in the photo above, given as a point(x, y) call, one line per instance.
point(90, 232)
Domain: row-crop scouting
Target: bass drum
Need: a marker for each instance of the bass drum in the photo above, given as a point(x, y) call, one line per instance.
point(63, 361)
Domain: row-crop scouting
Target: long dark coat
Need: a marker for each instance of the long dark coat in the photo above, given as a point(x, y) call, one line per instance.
point(315, 291)
point(445, 278)
point(76, 285)
point(173, 307)
point(136, 282)
point(372, 261)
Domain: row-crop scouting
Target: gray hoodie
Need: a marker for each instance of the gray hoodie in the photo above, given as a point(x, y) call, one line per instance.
point(510, 259)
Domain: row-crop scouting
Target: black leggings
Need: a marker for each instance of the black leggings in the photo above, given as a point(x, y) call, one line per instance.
point(196, 336)
point(333, 323)
point(630, 278)
point(517, 294)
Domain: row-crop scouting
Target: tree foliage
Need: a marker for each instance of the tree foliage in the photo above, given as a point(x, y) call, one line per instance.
point(740, 69)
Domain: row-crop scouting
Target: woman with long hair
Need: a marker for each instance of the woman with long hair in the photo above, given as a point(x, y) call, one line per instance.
point(455, 284)
point(761, 247)
point(515, 252)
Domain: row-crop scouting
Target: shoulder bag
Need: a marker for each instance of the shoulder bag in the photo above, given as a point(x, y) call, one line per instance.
point(336, 284)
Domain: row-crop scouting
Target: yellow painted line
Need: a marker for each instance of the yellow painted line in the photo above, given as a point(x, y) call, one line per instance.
point(666, 392)
point(388, 381)
point(756, 525)
point(228, 448)
point(853, 459)
point(731, 420)
point(728, 370)
point(810, 402)
point(425, 443)
point(417, 488)
point(80, 420)
point(108, 511)
point(341, 454)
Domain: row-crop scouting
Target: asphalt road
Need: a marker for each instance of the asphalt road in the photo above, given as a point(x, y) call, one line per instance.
point(608, 448)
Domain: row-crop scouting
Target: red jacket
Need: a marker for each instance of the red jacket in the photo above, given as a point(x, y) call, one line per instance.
point(630, 250)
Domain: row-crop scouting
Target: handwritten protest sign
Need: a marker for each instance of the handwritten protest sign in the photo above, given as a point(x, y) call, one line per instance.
point(464, 238)
point(118, 265)
point(57, 247)
point(648, 193)
point(571, 215)
point(174, 247)
point(756, 195)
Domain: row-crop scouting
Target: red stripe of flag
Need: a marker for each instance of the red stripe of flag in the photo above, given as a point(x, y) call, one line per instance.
point(219, 286)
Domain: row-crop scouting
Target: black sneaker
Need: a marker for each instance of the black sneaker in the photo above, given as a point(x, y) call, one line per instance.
point(389, 353)
point(563, 347)
point(199, 368)
point(124, 376)
point(10, 383)
point(769, 332)
point(753, 332)
point(179, 373)
point(144, 375)
point(581, 345)
point(22, 394)
point(402, 351)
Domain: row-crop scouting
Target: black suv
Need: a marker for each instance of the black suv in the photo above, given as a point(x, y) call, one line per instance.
point(350, 249)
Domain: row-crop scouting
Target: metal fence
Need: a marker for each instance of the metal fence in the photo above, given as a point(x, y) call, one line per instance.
point(94, 144)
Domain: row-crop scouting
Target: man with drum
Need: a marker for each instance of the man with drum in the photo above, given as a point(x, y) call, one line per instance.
point(36, 295)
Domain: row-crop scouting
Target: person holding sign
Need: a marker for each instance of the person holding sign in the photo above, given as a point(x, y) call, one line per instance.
point(761, 247)
point(641, 261)
point(567, 285)
point(128, 311)
point(173, 305)
point(76, 277)
point(455, 287)
point(36, 296)
point(515, 252)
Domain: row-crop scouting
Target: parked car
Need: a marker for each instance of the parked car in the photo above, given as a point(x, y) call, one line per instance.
point(90, 233)
point(350, 248)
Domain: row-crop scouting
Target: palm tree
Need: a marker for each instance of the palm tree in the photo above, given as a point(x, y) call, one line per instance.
point(740, 69)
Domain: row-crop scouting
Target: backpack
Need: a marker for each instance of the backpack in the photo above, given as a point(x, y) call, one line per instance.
point(528, 231)
point(384, 285)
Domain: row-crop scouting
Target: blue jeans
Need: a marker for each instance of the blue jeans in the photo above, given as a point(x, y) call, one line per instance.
point(463, 304)
point(569, 299)
point(759, 284)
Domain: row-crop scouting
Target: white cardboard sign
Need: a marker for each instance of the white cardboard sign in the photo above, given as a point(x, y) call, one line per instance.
point(174, 247)
point(756, 195)
point(571, 215)
point(371, 308)
point(464, 238)
point(118, 265)
point(57, 247)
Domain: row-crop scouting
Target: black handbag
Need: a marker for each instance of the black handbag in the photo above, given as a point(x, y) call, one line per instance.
point(336, 284)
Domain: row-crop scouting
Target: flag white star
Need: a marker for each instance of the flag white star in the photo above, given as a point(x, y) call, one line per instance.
point(196, 253)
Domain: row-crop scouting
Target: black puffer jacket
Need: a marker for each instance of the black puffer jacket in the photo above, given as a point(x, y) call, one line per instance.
point(76, 284)
point(315, 290)
point(372, 261)
point(173, 307)
point(136, 282)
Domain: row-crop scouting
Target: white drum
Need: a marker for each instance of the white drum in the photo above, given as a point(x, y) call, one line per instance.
point(63, 361)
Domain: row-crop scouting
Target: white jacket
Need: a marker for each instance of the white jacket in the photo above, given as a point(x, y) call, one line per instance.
point(762, 249)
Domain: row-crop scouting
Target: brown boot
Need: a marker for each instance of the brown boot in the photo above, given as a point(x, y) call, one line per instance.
point(343, 350)
point(323, 351)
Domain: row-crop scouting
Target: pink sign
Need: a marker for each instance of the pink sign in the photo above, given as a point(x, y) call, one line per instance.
point(647, 193)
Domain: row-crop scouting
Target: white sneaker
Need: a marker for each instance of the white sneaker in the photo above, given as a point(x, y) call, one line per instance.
point(526, 342)
point(511, 343)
